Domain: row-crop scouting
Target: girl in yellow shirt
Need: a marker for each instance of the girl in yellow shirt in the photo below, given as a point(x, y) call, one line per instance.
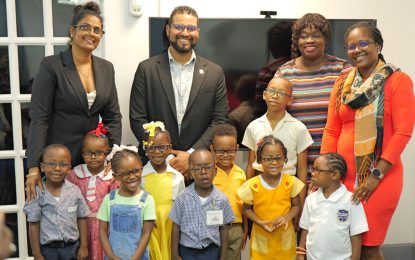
point(271, 200)
point(164, 183)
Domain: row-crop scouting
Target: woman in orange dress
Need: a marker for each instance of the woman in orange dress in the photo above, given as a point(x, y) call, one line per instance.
point(370, 121)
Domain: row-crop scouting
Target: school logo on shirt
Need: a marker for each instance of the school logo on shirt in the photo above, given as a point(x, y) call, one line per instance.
point(342, 216)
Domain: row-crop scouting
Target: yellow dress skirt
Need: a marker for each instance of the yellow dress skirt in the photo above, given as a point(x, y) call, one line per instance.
point(160, 186)
point(269, 205)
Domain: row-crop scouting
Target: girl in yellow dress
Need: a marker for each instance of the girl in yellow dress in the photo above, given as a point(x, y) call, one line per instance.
point(271, 200)
point(164, 183)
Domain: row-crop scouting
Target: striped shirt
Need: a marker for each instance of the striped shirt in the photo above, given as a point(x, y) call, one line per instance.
point(190, 214)
point(311, 92)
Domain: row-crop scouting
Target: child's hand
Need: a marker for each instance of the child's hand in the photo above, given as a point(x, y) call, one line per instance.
point(244, 238)
point(38, 257)
point(300, 257)
point(114, 258)
point(280, 221)
point(267, 225)
point(82, 253)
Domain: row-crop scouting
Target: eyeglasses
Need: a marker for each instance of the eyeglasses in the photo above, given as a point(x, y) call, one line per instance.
point(160, 147)
point(88, 28)
point(181, 27)
point(279, 93)
point(134, 171)
point(207, 168)
point(361, 44)
point(96, 153)
point(320, 171)
point(222, 152)
point(53, 165)
point(270, 159)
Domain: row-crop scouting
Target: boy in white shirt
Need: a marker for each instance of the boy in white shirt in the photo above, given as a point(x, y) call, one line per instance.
point(332, 224)
point(279, 123)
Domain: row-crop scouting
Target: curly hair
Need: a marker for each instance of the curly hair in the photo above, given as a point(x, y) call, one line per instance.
point(313, 20)
point(183, 9)
point(373, 30)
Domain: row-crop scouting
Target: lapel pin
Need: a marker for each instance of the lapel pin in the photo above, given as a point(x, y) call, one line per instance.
point(201, 71)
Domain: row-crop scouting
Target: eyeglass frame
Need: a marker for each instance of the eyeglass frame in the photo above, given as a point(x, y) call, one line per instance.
point(54, 165)
point(319, 171)
point(135, 171)
point(349, 48)
point(198, 170)
point(159, 147)
point(229, 151)
point(89, 153)
point(96, 30)
point(279, 93)
point(276, 158)
point(189, 28)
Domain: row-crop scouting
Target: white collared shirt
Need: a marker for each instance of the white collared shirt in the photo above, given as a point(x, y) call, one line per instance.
point(82, 172)
point(182, 78)
point(289, 130)
point(178, 179)
point(330, 223)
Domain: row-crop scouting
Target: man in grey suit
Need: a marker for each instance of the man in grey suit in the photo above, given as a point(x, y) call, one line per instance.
point(183, 90)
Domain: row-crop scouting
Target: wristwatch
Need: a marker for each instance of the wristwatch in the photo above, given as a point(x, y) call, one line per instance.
point(377, 173)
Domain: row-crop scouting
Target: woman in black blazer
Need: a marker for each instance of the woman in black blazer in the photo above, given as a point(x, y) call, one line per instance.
point(70, 93)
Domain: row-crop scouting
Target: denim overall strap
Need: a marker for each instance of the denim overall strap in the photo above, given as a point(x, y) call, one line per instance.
point(125, 228)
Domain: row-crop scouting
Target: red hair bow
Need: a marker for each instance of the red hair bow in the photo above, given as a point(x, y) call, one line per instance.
point(100, 131)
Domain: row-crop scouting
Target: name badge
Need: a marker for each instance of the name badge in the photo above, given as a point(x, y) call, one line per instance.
point(214, 217)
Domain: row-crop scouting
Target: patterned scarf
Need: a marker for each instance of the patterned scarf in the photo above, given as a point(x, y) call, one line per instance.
point(368, 99)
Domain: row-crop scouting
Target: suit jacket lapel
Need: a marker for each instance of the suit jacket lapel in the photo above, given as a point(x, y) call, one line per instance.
point(163, 68)
point(71, 73)
point(199, 75)
point(99, 78)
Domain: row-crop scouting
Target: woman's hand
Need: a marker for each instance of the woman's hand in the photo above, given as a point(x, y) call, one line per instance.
point(33, 179)
point(82, 253)
point(363, 192)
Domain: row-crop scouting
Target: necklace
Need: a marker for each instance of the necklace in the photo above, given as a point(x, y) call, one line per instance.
point(86, 75)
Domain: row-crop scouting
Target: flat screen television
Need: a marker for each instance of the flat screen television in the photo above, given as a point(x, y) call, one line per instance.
point(239, 46)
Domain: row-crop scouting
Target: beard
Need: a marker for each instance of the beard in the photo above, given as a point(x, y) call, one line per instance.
point(181, 49)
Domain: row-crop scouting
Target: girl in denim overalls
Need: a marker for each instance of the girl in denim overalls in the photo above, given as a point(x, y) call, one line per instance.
point(126, 215)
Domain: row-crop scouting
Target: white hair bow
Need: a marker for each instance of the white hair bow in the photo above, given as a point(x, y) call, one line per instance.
point(117, 148)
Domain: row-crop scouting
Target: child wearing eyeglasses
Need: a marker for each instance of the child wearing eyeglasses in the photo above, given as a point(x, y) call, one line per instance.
point(57, 215)
point(271, 200)
point(94, 183)
point(280, 124)
point(164, 183)
point(127, 215)
point(332, 225)
point(201, 214)
point(229, 177)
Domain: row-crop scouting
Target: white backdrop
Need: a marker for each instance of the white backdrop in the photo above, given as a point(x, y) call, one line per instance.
point(126, 43)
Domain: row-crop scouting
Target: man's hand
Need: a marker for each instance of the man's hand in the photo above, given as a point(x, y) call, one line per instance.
point(33, 179)
point(181, 161)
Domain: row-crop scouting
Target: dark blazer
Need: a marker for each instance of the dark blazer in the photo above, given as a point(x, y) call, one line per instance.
point(59, 106)
point(152, 98)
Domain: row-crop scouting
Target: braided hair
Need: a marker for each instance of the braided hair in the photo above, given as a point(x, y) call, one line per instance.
point(269, 140)
point(336, 162)
point(118, 156)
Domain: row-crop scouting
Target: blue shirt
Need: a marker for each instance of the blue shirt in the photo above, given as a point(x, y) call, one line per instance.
point(190, 214)
point(58, 218)
point(182, 78)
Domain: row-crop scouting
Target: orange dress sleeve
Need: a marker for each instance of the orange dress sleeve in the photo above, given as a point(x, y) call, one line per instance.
point(399, 89)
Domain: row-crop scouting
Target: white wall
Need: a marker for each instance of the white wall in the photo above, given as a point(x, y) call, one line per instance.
point(126, 44)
